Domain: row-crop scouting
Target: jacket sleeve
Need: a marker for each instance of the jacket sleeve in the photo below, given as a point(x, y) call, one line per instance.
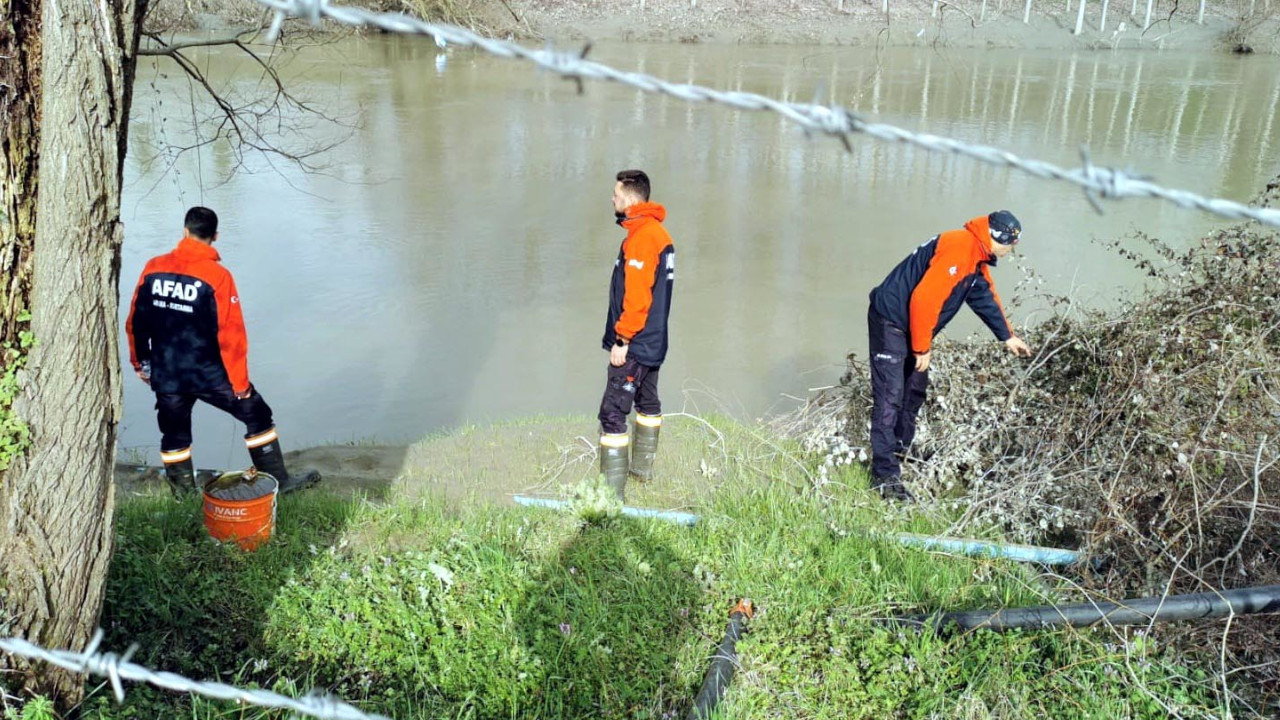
point(932, 292)
point(136, 327)
point(986, 303)
point(641, 257)
point(233, 342)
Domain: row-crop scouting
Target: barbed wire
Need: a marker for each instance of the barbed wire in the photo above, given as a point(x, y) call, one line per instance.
point(117, 668)
point(1097, 182)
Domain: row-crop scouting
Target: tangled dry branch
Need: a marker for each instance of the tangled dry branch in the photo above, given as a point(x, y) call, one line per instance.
point(1148, 434)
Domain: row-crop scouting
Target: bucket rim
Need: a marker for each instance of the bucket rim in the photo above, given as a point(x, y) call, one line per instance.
point(275, 489)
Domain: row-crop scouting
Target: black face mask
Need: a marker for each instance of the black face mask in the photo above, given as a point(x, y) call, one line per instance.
point(619, 217)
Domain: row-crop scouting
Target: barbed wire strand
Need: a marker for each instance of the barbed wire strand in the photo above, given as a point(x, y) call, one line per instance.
point(1096, 181)
point(117, 668)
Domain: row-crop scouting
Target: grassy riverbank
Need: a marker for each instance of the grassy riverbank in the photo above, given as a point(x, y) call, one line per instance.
point(420, 605)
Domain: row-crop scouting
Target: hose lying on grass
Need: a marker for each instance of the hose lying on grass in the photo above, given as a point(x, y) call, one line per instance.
point(984, 548)
point(963, 546)
point(675, 516)
point(1141, 611)
point(723, 665)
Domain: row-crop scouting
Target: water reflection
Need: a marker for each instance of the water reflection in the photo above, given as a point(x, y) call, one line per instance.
point(452, 264)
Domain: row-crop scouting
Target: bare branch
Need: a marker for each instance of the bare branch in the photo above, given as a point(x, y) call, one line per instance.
point(245, 125)
point(172, 49)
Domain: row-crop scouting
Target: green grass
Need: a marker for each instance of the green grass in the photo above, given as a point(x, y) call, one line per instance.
point(420, 608)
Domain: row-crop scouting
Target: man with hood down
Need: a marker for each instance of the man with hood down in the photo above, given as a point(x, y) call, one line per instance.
point(635, 332)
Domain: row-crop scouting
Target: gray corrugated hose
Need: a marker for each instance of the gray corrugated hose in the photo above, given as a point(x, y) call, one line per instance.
point(1141, 611)
point(724, 664)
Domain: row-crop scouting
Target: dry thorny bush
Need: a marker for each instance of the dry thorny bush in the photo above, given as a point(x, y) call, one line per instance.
point(1148, 434)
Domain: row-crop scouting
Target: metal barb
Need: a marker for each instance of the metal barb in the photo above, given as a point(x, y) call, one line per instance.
point(118, 668)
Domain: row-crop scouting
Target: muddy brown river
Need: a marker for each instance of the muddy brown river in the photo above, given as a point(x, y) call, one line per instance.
point(446, 260)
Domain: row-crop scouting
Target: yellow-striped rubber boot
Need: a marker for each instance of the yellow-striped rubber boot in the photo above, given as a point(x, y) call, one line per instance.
point(644, 444)
point(180, 472)
point(614, 459)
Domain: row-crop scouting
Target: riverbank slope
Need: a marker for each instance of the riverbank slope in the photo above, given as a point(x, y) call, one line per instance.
point(419, 607)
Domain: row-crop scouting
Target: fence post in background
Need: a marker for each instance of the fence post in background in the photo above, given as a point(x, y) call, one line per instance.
point(982, 14)
point(1200, 17)
point(1026, 13)
point(1080, 18)
point(1103, 24)
point(1147, 22)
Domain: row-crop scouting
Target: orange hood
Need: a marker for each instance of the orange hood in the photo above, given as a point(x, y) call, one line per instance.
point(638, 212)
point(980, 229)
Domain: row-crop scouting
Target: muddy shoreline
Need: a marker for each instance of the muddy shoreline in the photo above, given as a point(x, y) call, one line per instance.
point(965, 24)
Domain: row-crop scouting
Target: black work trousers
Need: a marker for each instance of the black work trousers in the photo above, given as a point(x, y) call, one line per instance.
point(898, 393)
point(631, 384)
point(173, 411)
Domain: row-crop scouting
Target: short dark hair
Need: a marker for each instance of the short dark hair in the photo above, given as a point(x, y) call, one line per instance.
point(635, 181)
point(201, 222)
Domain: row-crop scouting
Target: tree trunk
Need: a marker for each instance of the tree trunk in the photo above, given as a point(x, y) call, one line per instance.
point(57, 498)
point(19, 138)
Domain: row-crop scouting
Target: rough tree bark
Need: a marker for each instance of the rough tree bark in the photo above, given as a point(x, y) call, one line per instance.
point(19, 135)
point(56, 500)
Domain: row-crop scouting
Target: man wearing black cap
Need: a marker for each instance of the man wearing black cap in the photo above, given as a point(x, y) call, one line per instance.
point(913, 304)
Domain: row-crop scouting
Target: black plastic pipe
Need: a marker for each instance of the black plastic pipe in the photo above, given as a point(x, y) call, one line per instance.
point(723, 665)
point(1205, 605)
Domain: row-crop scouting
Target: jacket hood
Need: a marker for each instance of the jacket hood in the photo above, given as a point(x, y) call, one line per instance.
point(980, 229)
point(196, 248)
point(638, 212)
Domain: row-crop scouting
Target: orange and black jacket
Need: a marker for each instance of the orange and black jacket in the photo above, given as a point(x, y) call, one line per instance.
point(640, 294)
point(186, 321)
point(926, 290)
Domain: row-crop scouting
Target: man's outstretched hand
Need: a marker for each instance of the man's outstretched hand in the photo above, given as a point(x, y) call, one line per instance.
point(1017, 347)
point(922, 361)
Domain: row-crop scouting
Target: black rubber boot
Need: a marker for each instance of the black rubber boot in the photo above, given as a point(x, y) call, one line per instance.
point(644, 445)
point(614, 461)
point(182, 478)
point(269, 459)
point(892, 489)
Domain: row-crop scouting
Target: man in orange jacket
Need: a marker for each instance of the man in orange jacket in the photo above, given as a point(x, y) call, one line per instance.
point(187, 341)
point(913, 304)
point(635, 333)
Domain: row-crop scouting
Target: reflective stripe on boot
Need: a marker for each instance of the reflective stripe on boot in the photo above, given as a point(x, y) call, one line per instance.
point(268, 458)
point(644, 444)
point(180, 471)
point(614, 459)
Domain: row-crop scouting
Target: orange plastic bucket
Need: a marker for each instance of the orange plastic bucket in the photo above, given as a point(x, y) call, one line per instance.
point(241, 508)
